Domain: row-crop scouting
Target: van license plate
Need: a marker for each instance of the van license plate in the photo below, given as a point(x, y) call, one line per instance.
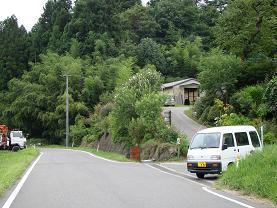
point(202, 164)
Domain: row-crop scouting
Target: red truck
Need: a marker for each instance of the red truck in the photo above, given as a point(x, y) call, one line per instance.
point(13, 140)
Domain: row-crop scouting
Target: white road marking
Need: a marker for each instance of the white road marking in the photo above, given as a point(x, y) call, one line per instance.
point(174, 163)
point(98, 157)
point(195, 182)
point(203, 187)
point(182, 173)
point(20, 184)
point(227, 198)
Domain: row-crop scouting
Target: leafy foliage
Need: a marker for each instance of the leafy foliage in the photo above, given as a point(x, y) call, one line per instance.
point(246, 27)
point(218, 73)
point(149, 52)
point(248, 101)
point(14, 53)
point(184, 58)
point(135, 108)
point(234, 119)
point(270, 96)
point(112, 49)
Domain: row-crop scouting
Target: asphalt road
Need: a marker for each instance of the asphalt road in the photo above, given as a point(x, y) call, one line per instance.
point(182, 122)
point(73, 179)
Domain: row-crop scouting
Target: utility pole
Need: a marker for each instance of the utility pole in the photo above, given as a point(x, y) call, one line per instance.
point(67, 113)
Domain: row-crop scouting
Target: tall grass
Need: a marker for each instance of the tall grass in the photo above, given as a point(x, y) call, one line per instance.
point(12, 165)
point(257, 174)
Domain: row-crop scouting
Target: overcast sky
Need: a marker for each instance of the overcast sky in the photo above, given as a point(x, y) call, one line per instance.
point(26, 11)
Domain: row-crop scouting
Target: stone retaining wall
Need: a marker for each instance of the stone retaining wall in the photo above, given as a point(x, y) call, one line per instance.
point(158, 152)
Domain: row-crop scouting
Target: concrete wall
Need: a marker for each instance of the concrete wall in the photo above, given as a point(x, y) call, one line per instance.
point(168, 91)
point(178, 94)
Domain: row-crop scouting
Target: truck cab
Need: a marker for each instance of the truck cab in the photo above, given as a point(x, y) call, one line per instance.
point(17, 138)
point(12, 140)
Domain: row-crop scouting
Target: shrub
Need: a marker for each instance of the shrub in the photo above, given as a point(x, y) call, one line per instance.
point(167, 134)
point(201, 104)
point(184, 145)
point(233, 119)
point(270, 138)
point(137, 111)
point(270, 96)
point(204, 115)
point(37, 141)
point(248, 100)
point(78, 131)
point(106, 109)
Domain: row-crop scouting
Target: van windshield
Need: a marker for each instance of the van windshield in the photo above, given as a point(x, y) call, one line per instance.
point(205, 140)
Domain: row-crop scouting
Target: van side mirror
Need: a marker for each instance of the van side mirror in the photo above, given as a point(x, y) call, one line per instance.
point(224, 147)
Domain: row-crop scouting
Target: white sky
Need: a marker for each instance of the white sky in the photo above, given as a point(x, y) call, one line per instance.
point(26, 11)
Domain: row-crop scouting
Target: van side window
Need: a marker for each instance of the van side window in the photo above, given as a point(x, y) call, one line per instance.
point(242, 138)
point(229, 140)
point(254, 138)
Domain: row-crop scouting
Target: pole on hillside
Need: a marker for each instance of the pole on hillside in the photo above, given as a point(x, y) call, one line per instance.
point(262, 135)
point(67, 113)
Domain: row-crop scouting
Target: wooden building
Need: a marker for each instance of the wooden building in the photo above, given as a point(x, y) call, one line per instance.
point(184, 91)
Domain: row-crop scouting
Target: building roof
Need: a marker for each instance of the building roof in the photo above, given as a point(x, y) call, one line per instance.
point(180, 82)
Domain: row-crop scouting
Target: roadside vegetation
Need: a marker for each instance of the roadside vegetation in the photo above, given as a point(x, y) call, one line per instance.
point(257, 174)
point(118, 53)
point(12, 166)
point(107, 155)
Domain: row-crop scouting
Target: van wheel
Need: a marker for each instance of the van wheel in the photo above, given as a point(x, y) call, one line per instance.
point(230, 165)
point(200, 175)
point(15, 148)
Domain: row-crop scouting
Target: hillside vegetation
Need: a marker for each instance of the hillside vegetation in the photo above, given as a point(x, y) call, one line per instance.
point(119, 52)
point(257, 174)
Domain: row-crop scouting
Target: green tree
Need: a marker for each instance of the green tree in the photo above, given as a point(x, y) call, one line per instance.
point(256, 69)
point(182, 15)
point(36, 101)
point(247, 27)
point(145, 82)
point(270, 96)
point(14, 53)
point(208, 16)
point(93, 88)
point(47, 32)
point(149, 121)
point(184, 57)
point(248, 100)
point(149, 52)
point(218, 74)
point(138, 23)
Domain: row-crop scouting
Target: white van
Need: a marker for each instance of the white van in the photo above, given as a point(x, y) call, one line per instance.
point(212, 150)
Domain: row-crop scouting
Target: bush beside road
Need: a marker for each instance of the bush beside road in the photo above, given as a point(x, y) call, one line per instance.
point(12, 166)
point(257, 174)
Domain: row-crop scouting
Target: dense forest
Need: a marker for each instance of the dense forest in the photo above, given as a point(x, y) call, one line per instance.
point(119, 52)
